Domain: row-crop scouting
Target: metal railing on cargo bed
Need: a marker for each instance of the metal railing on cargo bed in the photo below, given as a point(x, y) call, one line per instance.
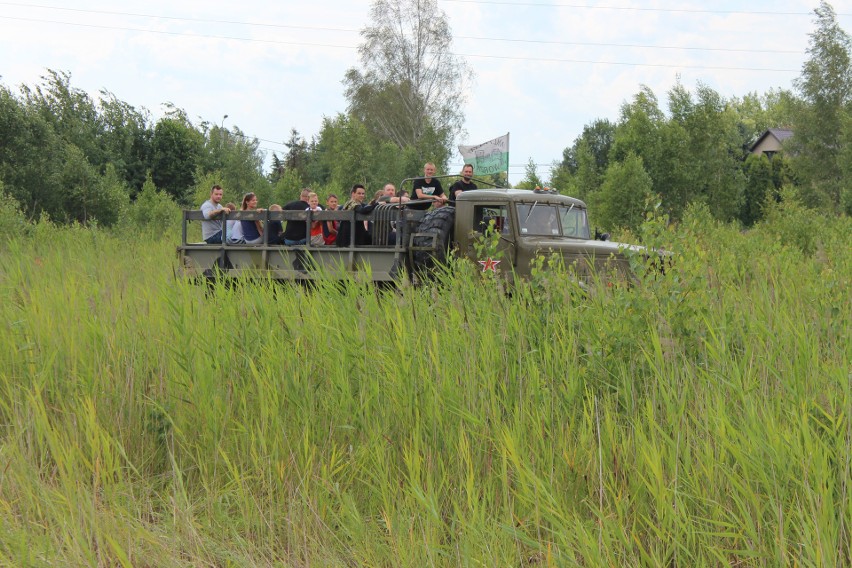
point(390, 224)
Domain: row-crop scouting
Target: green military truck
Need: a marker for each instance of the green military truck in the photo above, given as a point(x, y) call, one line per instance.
point(503, 229)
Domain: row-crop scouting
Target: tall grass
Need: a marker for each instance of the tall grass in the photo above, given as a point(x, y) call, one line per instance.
point(699, 418)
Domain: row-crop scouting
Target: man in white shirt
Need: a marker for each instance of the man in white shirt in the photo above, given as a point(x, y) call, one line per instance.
point(211, 230)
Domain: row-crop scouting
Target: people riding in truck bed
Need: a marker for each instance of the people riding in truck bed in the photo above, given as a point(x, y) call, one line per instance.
point(252, 230)
point(464, 184)
point(355, 203)
point(428, 187)
point(211, 226)
point(296, 232)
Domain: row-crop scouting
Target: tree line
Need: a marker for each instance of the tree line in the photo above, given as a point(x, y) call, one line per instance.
point(76, 159)
point(698, 151)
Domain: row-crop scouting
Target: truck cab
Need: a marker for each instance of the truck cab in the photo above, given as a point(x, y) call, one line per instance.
point(531, 224)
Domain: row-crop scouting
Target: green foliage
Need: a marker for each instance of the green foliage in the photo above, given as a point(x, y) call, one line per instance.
point(126, 139)
point(562, 180)
point(237, 159)
point(409, 86)
point(531, 178)
point(589, 174)
point(72, 114)
point(585, 162)
point(31, 156)
point(757, 113)
point(624, 196)
point(759, 185)
point(595, 142)
point(175, 154)
point(287, 188)
point(78, 161)
point(13, 223)
point(715, 149)
point(693, 418)
point(90, 196)
point(347, 151)
point(764, 179)
point(825, 86)
point(791, 222)
point(153, 211)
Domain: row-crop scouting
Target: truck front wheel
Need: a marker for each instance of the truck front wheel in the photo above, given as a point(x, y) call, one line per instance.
point(434, 236)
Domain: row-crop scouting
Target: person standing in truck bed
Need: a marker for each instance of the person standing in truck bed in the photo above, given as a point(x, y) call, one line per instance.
point(464, 184)
point(428, 187)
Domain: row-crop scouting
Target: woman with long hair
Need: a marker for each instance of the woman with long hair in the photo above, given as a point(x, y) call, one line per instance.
point(252, 230)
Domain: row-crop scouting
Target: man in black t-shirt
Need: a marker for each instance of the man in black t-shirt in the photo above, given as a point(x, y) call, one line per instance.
point(463, 184)
point(428, 187)
point(296, 232)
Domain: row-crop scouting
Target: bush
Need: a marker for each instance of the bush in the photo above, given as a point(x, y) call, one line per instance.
point(791, 222)
point(153, 210)
point(13, 223)
point(625, 194)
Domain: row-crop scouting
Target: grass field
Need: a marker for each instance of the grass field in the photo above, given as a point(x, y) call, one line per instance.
point(696, 419)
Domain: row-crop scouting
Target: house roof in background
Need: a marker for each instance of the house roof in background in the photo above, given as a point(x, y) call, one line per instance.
point(780, 134)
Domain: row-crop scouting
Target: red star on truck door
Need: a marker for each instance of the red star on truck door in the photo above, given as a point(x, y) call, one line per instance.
point(489, 264)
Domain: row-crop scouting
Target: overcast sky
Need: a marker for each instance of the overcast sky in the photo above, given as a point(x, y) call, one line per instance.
point(542, 69)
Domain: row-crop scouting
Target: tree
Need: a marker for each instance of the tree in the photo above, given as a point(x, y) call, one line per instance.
point(72, 114)
point(624, 195)
point(237, 161)
point(757, 113)
point(175, 154)
point(297, 156)
point(585, 161)
point(88, 195)
point(13, 223)
point(531, 178)
point(711, 159)
point(31, 157)
point(410, 89)
point(644, 131)
point(596, 140)
point(152, 209)
point(825, 86)
point(344, 153)
point(126, 139)
point(758, 174)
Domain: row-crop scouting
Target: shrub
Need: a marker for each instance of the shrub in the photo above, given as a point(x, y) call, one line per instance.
point(153, 209)
point(791, 222)
point(13, 223)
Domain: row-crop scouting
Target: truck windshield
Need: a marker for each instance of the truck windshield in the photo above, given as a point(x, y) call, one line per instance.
point(553, 220)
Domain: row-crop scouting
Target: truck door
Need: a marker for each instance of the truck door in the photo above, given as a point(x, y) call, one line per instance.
point(495, 222)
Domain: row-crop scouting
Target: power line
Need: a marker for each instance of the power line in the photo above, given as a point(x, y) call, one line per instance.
point(625, 63)
point(637, 9)
point(351, 30)
point(178, 19)
point(183, 34)
point(487, 2)
point(475, 55)
point(633, 45)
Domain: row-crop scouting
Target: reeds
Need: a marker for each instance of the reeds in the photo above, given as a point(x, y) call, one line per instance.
point(699, 418)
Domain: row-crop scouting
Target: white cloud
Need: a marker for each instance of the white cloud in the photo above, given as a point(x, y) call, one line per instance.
point(291, 76)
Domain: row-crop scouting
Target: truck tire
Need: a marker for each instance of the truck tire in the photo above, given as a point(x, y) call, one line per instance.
point(439, 222)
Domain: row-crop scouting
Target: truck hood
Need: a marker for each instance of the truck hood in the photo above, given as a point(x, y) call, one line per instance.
point(580, 246)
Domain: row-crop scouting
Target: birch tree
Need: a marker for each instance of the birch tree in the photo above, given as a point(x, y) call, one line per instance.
point(410, 86)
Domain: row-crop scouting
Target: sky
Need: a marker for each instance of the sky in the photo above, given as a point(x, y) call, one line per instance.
point(541, 69)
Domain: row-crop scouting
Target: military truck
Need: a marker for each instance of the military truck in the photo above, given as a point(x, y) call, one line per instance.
point(503, 229)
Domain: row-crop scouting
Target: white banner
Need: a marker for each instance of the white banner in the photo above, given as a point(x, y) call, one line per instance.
point(490, 157)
